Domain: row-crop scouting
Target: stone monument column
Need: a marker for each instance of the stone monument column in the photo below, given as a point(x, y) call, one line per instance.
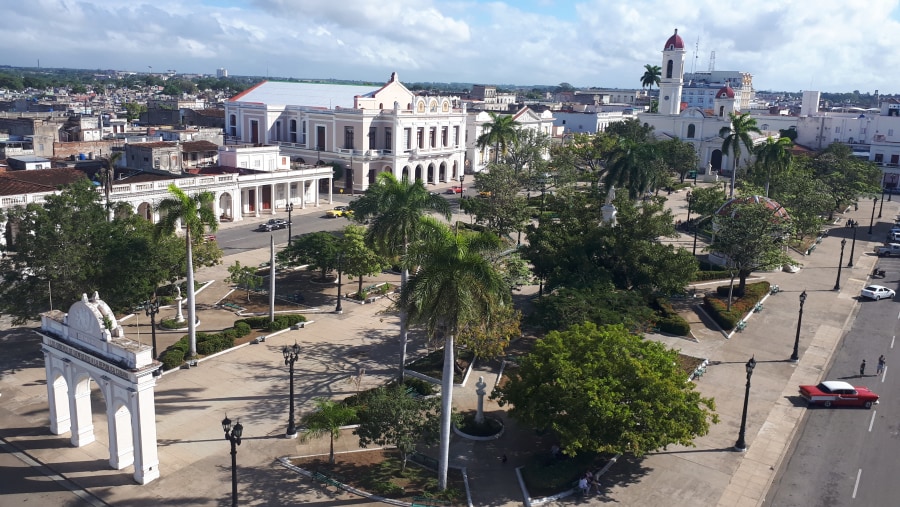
point(479, 414)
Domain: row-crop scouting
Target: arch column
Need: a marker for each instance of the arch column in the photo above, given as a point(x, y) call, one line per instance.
point(57, 396)
point(80, 410)
point(143, 427)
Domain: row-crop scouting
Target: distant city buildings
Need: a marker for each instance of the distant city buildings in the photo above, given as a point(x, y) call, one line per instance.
point(221, 72)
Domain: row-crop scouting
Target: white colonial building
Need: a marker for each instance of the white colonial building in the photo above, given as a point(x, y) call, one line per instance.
point(366, 130)
point(477, 157)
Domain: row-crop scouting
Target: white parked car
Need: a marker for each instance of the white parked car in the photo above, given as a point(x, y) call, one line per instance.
point(877, 292)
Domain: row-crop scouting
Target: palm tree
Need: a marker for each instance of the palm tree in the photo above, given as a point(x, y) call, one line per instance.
point(195, 214)
point(774, 154)
point(631, 165)
point(454, 285)
point(396, 210)
point(735, 135)
point(499, 132)
point(328, 418)
point(108, 176)
point(651, 76)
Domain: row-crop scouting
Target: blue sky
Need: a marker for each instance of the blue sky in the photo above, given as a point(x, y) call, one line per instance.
point(793, 45)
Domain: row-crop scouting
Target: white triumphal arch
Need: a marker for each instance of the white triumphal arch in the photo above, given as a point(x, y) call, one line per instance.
point(85, 345)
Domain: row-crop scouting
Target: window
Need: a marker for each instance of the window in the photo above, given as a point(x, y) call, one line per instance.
point(156, 162)
point(371, 138)
point(444, 136)
point(320, 137)
point(303, 136)
point(278, 130)
point(692, 130)
point(388, 140)
point(890, 132)
point(669, 67)
point(895, 159)
point(432, 137)
point(456, 136)
point(837, 130)
point(879, 158)
point(420, 137)
point(233, 126)
point(293, 131)
point(407, 138)
point(348, 138)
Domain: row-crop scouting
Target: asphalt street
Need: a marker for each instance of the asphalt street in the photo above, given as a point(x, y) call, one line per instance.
point(846, 456)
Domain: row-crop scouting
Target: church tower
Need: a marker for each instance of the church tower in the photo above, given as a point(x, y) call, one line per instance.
point(672, 79)
point(725, 103)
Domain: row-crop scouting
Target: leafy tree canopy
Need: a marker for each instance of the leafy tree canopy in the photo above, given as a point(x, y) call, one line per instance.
point(603, 389)
point(319, 250)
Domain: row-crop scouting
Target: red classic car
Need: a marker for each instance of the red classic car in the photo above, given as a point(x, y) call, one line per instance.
point(454, 190)
point(837, 393)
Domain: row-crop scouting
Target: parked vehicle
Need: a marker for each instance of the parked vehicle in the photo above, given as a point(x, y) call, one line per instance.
point(877, 292)
point(272, 225)
point(837, 393)
point(888, 250)
point(454, 190)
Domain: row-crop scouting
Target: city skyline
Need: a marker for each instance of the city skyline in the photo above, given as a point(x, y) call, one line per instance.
point(790, 46)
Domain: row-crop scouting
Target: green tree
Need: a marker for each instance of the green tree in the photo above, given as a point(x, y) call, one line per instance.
point(806, 198)
point(680, 156)
point(526, 151)
point(499, 133)
point(734, 136)
point(752, 237)
point(602, 389)
point(392, 417)
point(244, 276)
point(107, 176)
point(319, 250)
point(396, 210)
point(652, 75)
point(774, 155)
point(195, 215)
point(503, 208)
point(358, 260)
point(705, 201)
point(327, 418)
point(454, 285)
point(133, 110)
point(630, 165)
point(846, 177)
point(600, 304)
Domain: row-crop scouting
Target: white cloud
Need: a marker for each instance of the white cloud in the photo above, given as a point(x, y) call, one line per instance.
point(833, 45)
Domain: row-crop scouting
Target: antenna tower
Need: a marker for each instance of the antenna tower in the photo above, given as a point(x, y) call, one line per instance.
point(712, 61)
point(696, 55)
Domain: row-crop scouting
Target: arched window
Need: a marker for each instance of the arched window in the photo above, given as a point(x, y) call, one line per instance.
point(691, 131)
point(722, 111)
point(669, 67)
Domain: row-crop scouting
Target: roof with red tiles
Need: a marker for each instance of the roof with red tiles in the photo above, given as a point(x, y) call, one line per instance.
point(37, 181)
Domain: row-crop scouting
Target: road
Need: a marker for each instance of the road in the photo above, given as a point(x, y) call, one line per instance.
point(847, 456)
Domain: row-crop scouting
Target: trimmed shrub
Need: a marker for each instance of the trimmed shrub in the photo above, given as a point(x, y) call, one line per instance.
point(675, 325)
point(420, 386)
point(172, 358)
point(241, 329)
point(208, 347)
point(700, 276)
point(718, 308)
point(171, 324)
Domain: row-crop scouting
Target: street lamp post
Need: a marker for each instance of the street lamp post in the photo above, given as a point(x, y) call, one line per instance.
point(872, 222)
point(290, 357)
point(881, 207)
point(289, 208)
point(694, 251)
point(741, 444)
point(837, 283)
point(233, 435)
point(853, 225)
point(689, 201)
point(338, 308)
point(796, 355)
point(151, 310)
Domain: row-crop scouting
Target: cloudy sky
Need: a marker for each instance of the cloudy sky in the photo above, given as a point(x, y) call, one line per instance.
point(792, 45)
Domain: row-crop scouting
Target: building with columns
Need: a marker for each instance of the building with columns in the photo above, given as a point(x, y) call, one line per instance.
point(365, 130)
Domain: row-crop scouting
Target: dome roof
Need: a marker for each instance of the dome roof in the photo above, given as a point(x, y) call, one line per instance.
point(777, 209)
point(726, 92)
point(674, 42)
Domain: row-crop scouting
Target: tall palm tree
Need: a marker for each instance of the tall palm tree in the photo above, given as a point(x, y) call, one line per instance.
point(195, 214)
point(499, 132)
point(652, 74)
point(396, 209)
point(631, 165)
point(735, 135)
point(454, 285)
point(774, 154)
point(328, 418)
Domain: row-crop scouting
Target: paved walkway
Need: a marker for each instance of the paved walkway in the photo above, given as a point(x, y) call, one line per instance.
point(250, 384)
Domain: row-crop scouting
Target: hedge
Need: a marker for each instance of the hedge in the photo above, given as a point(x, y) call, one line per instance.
point(207, 344)
point(669, 320)
point(700, 276)
point(172, 358)
point(717, 307)
point(280, 322)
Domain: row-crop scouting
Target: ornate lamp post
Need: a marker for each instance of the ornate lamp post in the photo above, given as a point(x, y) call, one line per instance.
point(690, 201)
point(853, 225)
point(837, 283)
point(289, 208)
point(741, 444)
point(338, 308)
point(233, 435)
point(872, 222)
point(880, 208)
point(290, 357)
point(796, 355)
point(151, 310)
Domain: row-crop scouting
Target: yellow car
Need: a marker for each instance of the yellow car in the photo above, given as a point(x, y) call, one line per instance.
point(339, 211)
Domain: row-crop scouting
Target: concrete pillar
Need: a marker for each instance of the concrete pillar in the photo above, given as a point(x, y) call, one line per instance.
point(143, 424)
point(58, 398)
point(121, 446)
point(80, 410)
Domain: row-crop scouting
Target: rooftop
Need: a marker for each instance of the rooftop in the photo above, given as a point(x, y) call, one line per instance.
point(327, 96)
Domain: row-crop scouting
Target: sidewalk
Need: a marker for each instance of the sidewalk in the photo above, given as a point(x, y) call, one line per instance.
point(251, 384)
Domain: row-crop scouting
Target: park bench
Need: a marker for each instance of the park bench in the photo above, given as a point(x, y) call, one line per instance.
point(326, 480)
point(259, 339)
point(424, 501)
point(740, 326)
point(758, 308)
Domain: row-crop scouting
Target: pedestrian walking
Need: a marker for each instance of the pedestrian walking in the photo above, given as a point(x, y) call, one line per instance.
point(881, 363)
point(862, 368)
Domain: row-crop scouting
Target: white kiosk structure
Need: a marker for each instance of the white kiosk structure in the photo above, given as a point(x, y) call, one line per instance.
point(87, 344)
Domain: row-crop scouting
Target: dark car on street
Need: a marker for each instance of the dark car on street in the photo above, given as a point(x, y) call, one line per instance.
point(272, 225)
